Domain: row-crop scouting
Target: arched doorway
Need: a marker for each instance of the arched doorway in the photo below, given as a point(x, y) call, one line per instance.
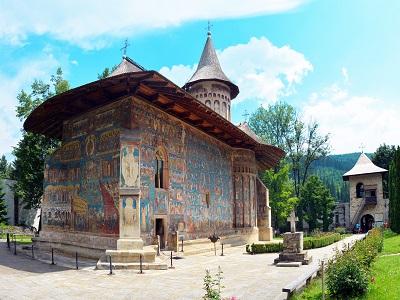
point(367, 222)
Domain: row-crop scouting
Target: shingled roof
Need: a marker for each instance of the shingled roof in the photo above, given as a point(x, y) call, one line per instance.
point(127, 65)
point(150, 86)
point(210, 69)
point(363, 166)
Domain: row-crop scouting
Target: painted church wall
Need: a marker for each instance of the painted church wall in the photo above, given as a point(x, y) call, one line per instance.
point(199, 168)
point(82, 176)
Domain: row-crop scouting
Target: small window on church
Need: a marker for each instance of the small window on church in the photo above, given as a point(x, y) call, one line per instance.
point(360, 190)
point(208, 200)
point(161, 176)
point(214, 94)
point(208, 103)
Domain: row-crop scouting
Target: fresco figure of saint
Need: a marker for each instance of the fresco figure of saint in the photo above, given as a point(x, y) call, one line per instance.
point(130, 166)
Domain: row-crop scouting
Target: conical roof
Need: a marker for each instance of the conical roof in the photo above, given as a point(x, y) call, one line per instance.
point(363, 166)
point(127, 65)
point(210, 69)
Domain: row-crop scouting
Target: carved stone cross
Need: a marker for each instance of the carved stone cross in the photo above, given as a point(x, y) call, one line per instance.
point(292, 219)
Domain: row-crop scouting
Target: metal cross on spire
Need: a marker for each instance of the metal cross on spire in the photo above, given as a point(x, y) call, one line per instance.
point(362, 147)
point(125, 47)
point(209, 26)
point(292, 219)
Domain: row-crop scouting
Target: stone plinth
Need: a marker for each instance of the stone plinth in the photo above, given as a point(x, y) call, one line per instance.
point(130, 248)
point(293, 249)
point(265, 233)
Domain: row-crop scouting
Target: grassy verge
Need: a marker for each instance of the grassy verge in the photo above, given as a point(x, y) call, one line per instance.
point(391, 243)
point(21, 239)
point(385, 277)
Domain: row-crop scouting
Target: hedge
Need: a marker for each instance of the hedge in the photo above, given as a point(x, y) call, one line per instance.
point(308, 243)
point(348, 272)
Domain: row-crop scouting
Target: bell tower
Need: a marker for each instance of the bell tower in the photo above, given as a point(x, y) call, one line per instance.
point(210, 85)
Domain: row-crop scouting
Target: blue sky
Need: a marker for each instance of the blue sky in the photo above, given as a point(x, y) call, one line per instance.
point(337, 61)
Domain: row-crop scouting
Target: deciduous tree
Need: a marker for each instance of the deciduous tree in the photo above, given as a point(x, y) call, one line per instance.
point(32, 149)
point(382, 157)
point(281, 195)
point(316, 204)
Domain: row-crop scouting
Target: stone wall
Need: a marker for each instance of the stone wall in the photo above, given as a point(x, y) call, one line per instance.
point(341, 215)
point(215, 95)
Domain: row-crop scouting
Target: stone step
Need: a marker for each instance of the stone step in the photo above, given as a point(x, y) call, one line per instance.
point(289, 264)
point(158, 264)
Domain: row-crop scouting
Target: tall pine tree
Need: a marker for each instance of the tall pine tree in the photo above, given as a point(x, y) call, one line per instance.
point(394, 192)
point(3, 206)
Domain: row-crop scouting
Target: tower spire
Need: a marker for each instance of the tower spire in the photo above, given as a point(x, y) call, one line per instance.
point(209, 84)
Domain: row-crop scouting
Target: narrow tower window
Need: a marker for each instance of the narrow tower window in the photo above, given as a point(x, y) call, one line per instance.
point(360, 190)
point(161, 174)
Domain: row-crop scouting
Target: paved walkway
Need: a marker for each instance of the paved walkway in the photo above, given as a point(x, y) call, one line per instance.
point(245, 277)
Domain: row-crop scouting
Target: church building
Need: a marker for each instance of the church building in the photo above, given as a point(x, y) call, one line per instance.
point(140, 154)
point(367, 206)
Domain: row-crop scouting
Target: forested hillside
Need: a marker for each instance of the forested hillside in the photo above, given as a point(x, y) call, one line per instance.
point(330, 170)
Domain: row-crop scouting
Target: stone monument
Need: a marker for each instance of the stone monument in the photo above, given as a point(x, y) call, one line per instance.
point(292, 254)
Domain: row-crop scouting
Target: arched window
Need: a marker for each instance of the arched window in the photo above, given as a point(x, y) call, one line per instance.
point(360, 190)
point(208, 103)
point(216, 106)
point(224, 113)
point(161, 174)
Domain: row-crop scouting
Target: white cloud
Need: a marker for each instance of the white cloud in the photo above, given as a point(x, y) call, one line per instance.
point(345, 74)
point(91, 23)
point(263, 71)
point(74, 62)
point(179, 74)
point(353, 120)
point(10, 86)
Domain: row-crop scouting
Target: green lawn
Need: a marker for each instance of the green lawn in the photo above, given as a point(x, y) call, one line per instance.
point(386, 278)
point(391, 244)
point(385, 275)
point(21, 239)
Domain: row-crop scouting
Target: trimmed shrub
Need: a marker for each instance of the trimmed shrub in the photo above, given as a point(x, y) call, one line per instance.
point(264, 248)
point(320, 240)
point(366, 250)
point(347, 277)
point(347, 274)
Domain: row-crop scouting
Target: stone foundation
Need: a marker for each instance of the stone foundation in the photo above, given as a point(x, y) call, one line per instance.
point(265, 234)
point(293, 249)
